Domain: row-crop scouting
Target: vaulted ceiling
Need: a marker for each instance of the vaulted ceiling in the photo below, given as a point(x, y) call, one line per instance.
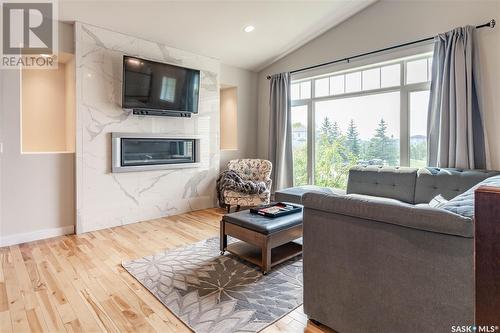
point(215, 28)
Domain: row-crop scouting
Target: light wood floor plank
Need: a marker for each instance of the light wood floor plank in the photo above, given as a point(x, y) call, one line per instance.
point(76, 283)
point(5, 322)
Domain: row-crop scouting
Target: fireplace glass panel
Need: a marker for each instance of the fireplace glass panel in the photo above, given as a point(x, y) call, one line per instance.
point(156, 151)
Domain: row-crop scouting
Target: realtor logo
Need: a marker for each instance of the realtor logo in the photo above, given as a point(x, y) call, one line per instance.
point(29, 34)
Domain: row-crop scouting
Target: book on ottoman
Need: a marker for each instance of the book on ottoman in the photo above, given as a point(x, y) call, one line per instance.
point(276, 209)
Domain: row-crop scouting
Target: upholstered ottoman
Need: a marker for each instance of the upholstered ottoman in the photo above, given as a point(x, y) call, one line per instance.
point(264, 241)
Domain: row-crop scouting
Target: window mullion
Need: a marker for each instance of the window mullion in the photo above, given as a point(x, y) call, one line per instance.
point(404, 148)
point(310, 135)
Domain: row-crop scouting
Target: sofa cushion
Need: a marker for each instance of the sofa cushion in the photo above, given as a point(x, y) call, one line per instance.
point(447, 182)
point(389, 182)
point(294, 194)
point(392, 211)
point(463, 204)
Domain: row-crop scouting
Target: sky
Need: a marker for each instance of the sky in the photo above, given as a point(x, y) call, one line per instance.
point(418, 112)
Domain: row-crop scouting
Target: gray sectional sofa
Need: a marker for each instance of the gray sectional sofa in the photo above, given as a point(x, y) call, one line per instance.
point(378, 258)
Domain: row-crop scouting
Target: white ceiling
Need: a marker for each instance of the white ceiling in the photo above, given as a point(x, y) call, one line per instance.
point(215, 28)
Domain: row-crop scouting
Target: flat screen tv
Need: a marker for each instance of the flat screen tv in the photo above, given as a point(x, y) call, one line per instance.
point(153, 88)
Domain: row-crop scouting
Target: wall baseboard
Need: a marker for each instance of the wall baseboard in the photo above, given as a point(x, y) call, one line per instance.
point(36, 235)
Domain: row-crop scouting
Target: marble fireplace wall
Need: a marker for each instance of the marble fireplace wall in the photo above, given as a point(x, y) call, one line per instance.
point(105, 199)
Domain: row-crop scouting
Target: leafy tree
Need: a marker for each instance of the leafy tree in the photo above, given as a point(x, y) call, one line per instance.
point(333, 159)
point(352, 140)
point(336, 152)
point(331, 164)
point(300, 165)
point(418, 154)
point(383, 147)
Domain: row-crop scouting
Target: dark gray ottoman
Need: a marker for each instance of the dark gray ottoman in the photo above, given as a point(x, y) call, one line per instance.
point(264, 241)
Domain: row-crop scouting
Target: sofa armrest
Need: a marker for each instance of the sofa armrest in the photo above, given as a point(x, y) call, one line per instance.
point(421, 217)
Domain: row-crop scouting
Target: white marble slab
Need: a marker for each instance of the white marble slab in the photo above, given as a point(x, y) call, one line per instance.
point(106, 199)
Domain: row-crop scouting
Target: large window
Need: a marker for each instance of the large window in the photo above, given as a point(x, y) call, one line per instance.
point(374, 115)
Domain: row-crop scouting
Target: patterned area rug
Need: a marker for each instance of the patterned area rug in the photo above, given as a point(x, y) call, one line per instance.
point(213, 293)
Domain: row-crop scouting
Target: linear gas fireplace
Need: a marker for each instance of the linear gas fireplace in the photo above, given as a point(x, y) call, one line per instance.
point(145, 151)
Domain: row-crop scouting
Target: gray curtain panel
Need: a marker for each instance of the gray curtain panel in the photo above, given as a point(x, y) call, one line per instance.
point(455, 123)
point(280, 131)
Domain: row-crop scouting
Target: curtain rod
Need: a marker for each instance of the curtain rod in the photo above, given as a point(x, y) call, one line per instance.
point(490, 24)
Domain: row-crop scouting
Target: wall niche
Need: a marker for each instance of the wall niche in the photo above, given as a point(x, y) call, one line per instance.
point(48, 108)
point(228, 118)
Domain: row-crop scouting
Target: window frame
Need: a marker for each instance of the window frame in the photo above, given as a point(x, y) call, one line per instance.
point(404, 89)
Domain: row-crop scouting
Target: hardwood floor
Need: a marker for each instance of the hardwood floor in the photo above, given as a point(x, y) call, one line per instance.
point(76, 283)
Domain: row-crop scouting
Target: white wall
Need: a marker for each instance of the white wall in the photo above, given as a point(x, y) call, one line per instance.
point(246, 84)
point(389, 23)
point(36, 190)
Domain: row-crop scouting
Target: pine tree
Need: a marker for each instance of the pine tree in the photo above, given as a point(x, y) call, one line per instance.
point(352, 140)
point(330, 131)
point(383, 147)
point(327, 131)
point(336, 133)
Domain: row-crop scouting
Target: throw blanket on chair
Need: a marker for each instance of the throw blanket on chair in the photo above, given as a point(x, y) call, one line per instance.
point(230, 180)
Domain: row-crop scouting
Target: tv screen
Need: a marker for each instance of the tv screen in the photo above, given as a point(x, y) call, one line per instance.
point(157, 86)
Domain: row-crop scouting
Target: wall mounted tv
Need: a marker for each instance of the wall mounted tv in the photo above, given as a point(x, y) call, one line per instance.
point(153, 88)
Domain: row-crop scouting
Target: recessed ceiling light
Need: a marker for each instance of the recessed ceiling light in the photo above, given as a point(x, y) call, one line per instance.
point(249, 28)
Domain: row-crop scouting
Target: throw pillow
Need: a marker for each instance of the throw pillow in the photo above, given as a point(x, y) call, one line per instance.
point(463, 204)
point(438, 201)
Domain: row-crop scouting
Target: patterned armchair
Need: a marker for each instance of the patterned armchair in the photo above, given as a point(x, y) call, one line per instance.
point(249, 169)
